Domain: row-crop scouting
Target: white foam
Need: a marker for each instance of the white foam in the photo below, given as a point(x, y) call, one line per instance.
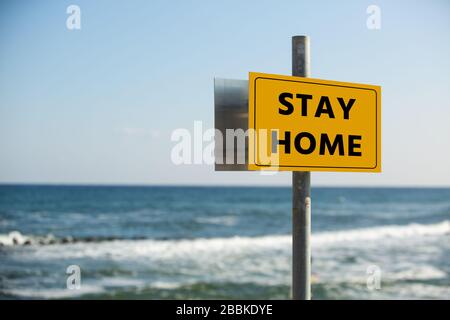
point(223, 220)
point(383, 232)
point(56, 293)
point(227, 247)
point(419, 272)
point(167, 285)
point(17, 238)
point(13, 238)
point(373, 233)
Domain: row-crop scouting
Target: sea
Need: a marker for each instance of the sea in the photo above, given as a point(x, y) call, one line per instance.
point(164, 242)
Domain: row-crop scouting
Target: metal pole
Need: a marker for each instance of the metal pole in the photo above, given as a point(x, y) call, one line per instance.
point(301, 195)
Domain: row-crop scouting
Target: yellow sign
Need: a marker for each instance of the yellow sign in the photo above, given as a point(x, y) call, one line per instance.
point(305, 124)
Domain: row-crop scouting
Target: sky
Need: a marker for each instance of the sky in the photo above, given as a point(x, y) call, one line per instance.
point(98, 105)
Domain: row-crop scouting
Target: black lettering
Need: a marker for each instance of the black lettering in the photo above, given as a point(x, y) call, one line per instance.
point(352, 145)
point(305, 98)
point(286, 142)
point(346, 107)
point(324, 107)
point(298, 145)
point(289, 107)
point(325, 142)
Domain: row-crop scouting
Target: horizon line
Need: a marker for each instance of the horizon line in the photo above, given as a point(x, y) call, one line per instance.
point(141, 185)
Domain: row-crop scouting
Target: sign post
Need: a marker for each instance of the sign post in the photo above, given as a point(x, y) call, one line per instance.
point(301, 195)
point(299, 124)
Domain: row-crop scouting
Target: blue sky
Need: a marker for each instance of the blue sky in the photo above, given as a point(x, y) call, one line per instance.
point(98, 105)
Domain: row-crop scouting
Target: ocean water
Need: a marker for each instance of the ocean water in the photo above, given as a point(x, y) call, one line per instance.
point(221, 242)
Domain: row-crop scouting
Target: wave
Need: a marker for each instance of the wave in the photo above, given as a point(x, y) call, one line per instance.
point(173, 265)
point(384, 232)
point(363, 234)
point(16, 238)
point(54, 293)
point(404, 285)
